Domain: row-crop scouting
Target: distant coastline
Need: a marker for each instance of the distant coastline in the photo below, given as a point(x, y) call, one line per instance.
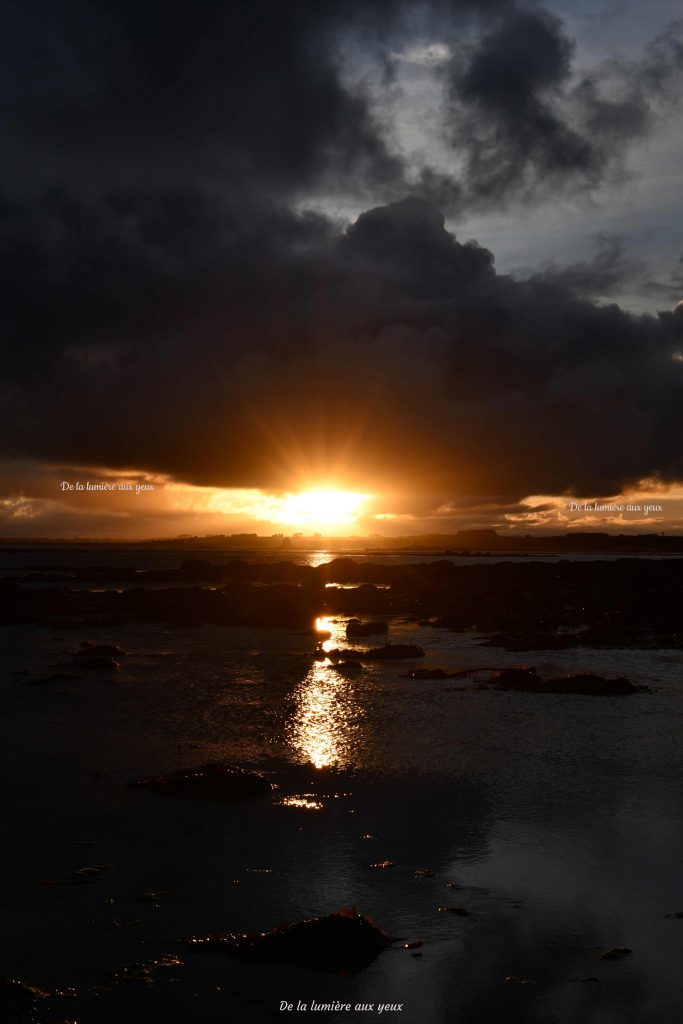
point(464, 542)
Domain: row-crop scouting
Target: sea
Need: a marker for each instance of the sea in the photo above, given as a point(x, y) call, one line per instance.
point(524, 852)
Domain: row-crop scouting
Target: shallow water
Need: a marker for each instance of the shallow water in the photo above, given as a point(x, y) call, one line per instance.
point(558, 817)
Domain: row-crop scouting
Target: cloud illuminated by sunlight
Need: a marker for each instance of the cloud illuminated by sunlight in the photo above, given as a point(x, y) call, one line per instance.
point(645, 507)
point(318, 509)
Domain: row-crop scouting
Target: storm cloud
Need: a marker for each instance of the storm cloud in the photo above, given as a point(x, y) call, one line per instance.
point(389, 349)
point(525, 124)
point(171, 303)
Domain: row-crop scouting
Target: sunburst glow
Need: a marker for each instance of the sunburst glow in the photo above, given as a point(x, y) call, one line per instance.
point(320, 509)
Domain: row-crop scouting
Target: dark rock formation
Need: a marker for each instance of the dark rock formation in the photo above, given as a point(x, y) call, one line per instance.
point(214, 781)
point(615, 953)
point(348, 668)
point(523, 605)
point(527, 680)
point(19, 994)
point(88, 662)
point(346, 941)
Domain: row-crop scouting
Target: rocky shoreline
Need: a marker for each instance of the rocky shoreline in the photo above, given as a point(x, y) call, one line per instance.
point(520, 605)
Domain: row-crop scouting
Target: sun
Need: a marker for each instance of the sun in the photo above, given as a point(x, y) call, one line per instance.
point(320, 509)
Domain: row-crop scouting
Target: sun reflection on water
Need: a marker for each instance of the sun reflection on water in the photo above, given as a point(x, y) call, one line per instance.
point(332, 632)
point(302, 802)
point(325, 726)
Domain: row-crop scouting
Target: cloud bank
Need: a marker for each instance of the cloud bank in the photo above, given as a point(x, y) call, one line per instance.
point(170, 303)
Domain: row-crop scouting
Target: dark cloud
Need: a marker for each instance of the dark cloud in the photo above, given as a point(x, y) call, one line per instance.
point(611, 268)
point(244, 95)
point(525, 126)
point(389, 352)
point(666, 289)
point(167, 304)
point(271, 99)
point(503, 91)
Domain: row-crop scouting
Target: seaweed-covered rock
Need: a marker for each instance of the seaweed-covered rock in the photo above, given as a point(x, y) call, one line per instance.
point(345, 941)
point(213, 781)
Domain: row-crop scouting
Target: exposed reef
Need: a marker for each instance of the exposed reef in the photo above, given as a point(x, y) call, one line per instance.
point(519, 605)
point(214, 781)
point(527, 680)
point(342, 942)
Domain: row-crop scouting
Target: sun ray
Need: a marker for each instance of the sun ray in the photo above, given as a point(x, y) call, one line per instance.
point(320, 508)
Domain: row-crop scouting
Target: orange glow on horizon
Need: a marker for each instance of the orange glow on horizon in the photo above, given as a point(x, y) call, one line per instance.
point(319, 509)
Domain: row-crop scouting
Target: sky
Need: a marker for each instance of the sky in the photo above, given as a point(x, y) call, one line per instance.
point(347, 266)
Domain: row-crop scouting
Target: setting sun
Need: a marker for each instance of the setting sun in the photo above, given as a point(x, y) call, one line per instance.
point(320, 509)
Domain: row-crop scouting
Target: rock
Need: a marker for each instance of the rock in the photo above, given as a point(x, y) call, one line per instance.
point(144, 971)
point(527, 680)
point(592, 685)
point(424, 873)
point(625, 603)
point(460, 911)
point(513, 979)
point(518, 679)
point(19, 992)
point(345, 941)
point(95, 663)
point(348, 668)
point(615, 953)
point(213, 781)
point(383, 864)
point(357, 628)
